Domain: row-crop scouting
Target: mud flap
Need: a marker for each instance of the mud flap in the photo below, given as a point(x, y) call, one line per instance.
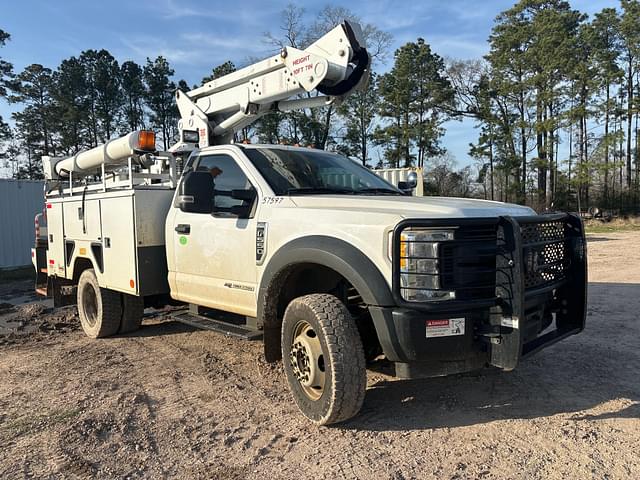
point(506, 318)
point(62, 291)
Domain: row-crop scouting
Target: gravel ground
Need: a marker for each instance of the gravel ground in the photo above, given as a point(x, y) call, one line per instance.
point(175, 402)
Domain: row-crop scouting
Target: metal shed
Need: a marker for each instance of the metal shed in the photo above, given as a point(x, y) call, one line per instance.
point(20, 201)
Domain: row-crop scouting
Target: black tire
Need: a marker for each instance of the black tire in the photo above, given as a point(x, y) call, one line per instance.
point(341, 364)
point(132, 311)
point(100, 309)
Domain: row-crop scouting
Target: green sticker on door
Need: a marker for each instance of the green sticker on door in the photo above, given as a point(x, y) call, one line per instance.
point(183, 240)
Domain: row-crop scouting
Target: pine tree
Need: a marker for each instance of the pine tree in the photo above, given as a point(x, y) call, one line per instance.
point(584, 84)
point(71, 106)
point(220, 71)
point(6, 71)
point(434, 99)
point(359, 114)
point(511, 78)
point(395, 103)
point(630, 32)
point(132, 85)
point(159, 96)
point(416, 99)
point(33, 88)
point(531, 50)
point(606, 55)
point(109, 99)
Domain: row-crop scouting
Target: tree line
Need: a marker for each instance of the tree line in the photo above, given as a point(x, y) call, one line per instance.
point(555, 102)
point(84, 102)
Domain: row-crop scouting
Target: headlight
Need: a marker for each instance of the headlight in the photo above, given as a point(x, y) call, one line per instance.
point(420, 265)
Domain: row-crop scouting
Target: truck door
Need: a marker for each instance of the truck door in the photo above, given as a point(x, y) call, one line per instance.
point(214, 253)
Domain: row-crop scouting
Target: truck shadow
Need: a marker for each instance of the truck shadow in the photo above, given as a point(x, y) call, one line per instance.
point(161, 328)
point(592, 238)
point(591, 376)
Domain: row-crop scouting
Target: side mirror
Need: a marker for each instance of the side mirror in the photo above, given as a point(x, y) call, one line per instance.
point(248, 195)
point(195, 194)
point(409, 184)
point(243, 210)
point(240, 211)
point(412, 180)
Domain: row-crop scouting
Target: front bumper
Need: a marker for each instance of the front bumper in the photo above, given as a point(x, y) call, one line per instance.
point(537, 297)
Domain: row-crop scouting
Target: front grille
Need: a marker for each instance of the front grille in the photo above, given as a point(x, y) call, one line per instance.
point(478, 263)
point(545, 253)
point(468, 263)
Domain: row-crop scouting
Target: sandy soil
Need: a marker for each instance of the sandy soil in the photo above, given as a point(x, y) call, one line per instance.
point(176, 402)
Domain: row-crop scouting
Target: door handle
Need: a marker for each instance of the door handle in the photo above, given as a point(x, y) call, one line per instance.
point(183, 228)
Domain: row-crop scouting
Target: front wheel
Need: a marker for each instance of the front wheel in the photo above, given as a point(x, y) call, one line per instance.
point(323, 358)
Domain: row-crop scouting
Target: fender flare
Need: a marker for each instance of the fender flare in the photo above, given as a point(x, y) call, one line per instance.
point(330, 252)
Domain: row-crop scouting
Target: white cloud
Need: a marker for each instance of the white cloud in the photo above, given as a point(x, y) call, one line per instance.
point(194, 49)
point(238, 13)
point(232, 44)
point(143, 46)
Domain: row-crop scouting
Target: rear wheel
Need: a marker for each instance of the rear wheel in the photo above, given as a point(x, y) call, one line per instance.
point(100, 309)
point(323, 358)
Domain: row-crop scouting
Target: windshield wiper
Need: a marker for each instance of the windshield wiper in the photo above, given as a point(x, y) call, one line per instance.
point(383, 191)
point(318, 190)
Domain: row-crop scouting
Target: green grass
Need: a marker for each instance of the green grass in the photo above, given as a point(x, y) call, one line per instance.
point(29, 424)
point(612, 228)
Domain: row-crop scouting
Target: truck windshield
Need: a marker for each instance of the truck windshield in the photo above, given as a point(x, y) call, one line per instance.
point(301, 172)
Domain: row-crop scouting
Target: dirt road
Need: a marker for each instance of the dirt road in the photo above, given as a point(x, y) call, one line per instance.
point(176, 402)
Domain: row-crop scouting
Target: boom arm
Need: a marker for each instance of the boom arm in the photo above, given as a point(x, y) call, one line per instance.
point(335, 65)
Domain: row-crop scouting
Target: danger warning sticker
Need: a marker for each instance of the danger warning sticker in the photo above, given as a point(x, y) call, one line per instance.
point(445, 328)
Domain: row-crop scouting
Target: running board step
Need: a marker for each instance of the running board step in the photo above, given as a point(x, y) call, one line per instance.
point(233, 330)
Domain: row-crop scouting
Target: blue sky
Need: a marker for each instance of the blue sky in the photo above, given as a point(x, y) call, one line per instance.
point(196, 35)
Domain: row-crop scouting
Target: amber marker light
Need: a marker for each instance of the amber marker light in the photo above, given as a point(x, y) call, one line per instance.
point(146, 140)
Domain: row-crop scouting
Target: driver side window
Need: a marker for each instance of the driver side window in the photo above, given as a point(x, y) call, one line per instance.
point(226, 176)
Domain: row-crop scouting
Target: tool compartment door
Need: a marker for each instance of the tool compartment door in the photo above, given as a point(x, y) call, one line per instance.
point(118, 245)
point(56, 262)
point(151, 210)
point(82, 219)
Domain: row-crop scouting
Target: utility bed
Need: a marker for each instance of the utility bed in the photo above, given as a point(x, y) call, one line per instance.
point(119, 230)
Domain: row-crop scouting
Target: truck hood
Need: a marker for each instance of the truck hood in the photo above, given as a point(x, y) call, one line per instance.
point(412, 207)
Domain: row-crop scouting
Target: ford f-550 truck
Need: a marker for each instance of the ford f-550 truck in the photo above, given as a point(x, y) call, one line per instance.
point(327, 263)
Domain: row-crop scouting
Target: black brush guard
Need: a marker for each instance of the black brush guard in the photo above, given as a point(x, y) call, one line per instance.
point(510, 275)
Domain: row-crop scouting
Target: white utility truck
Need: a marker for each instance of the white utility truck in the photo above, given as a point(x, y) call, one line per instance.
point(327, 263)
